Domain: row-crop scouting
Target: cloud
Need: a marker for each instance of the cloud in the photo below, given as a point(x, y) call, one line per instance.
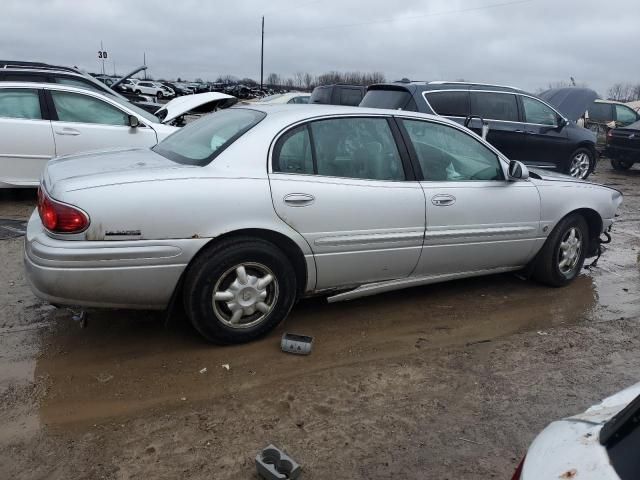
point(527, 44)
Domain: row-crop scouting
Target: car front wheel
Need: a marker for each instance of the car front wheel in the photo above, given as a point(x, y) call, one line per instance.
point(239, 290)
point(563, 254)
point(580, 163)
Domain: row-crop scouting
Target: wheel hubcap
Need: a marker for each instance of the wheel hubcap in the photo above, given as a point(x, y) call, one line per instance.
point(570, 250)
point(579, 165)
point(245, 295)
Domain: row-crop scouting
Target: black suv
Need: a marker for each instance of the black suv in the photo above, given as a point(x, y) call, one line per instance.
point(521, 125)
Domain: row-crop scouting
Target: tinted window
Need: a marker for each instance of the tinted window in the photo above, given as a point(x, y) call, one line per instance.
point(494, 106)
point(299, 100)
point(293, 152)
point(350, 96)
point(321, 95)
point(392, 99)
point(538, 112)
point(19, 103)
point(78, 83)
point(23, 77)
point(446, 153)
point(453, 104)
point(74, 107)
point(625, 115)
point(356, 148)
point(201, 141)
point(600, 112)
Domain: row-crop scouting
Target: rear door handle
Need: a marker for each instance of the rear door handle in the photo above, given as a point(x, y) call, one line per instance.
point(443, 200)
point(68, 131)
point(299, 199)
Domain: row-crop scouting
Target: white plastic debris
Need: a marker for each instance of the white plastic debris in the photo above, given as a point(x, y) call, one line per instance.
point(204, 370)
point(226, 366)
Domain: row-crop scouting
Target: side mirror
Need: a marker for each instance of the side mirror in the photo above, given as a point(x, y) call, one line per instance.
point(517, 171)
point(133, 121)
point(562, 122)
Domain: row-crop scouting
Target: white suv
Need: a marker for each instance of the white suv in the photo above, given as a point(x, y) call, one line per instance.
point(156, 89)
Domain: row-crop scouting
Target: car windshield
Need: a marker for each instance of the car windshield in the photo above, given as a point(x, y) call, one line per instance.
point(139, 111)
point(271, 97)
point(201, 141)
point(392, 99)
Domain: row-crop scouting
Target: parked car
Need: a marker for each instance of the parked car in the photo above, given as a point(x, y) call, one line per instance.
point(204, 217)
point(40, 121)
point(127, 85)
point(281, 98)
point(522, 126)
point(603, 115)
point(338, 94)
point(177, 89)
point(156, 89)
point(623, 146)
point(599, 444)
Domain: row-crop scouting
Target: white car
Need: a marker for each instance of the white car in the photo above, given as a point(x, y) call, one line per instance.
point(39, 121)
point(599, 444)
point(280, 98)
point(156, 89)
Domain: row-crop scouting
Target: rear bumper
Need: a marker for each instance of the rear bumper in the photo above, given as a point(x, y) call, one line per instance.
point(113, 274)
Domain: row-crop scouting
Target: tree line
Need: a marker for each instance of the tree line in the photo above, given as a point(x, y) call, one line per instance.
point(306, 80)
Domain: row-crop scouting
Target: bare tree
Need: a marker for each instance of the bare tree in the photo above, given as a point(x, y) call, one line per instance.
point(273, 79)
point(308, 80)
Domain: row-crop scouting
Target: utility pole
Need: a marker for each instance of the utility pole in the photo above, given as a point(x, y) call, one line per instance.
point(144, 62)
point(262, 55)
point(102, 56)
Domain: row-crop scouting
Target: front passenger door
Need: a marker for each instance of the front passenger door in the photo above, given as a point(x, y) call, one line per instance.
point(477, 220)
point(84, 123)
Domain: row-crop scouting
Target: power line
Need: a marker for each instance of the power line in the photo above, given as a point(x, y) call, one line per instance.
point(433, 14)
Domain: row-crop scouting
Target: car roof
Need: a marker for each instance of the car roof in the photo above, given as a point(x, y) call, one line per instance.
point(613, 102)
point(57, 86)
point(449, 85)
point(41, 70)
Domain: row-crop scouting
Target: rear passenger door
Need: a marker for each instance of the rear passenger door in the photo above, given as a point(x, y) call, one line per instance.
point(345, 185)
point(26, 139)
point(500, 110)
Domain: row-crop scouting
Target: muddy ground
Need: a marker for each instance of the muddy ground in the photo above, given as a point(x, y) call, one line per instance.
point(448, 381)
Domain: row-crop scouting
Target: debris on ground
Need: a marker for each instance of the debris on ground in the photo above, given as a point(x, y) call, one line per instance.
point(104, 377)
point(274, 464)
point(299, 344)
point(203, 370)
point(226, 366)
point(542, 333)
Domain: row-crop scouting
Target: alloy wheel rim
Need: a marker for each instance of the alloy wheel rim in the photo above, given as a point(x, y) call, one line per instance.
point(245, 295)
point(569, 251)
point(579, 165)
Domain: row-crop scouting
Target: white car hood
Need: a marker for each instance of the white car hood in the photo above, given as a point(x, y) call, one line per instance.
point(208, 101)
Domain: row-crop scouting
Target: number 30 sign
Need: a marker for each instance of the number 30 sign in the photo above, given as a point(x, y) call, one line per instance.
point(102, 54)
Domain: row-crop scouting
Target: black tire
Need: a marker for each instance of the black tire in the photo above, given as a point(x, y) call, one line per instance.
point(213, 266)
point(581, 150)
point(618, 164)
point(159, 95)
point(138, 92)
point(546, 265)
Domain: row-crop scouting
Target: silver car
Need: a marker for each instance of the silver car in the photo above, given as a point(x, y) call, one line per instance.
point(246, 210)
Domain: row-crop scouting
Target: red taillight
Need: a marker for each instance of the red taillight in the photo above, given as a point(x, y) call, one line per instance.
point(59, 217)
point(518, 473)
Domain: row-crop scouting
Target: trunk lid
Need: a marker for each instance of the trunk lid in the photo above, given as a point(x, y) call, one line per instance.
point(108, 167)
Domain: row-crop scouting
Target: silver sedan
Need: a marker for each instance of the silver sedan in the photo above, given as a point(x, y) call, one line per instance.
point(246, 210)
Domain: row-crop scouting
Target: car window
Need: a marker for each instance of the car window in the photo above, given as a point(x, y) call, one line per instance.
point(299, 100)
point(292, 153)
point(625, 114)
point(538, 112)
point(387, 98)
point(350, 96)
point(356, 148)
point(600, 112)
point(75, 107)
point(453, 104)
point(201, 141)
point(494, 106)
point(447, 154)
point(20, 103)
point(321, 95)
point(78, 83)
point(23, 77)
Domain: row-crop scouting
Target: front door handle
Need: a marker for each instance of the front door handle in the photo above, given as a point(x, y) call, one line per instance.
point(68, 131)
point(443, 200)
point(299, 199)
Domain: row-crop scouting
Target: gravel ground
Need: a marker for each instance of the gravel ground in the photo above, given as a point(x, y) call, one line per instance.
point(445, 381)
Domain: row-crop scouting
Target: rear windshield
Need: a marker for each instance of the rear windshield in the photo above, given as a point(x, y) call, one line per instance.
point(392, 99)
point(201, 141)
point(321, 95)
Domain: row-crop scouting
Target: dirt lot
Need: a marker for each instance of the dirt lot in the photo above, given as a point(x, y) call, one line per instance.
point(450, 381)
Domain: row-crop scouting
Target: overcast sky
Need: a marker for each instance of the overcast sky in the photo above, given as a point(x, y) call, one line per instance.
point(521, 43)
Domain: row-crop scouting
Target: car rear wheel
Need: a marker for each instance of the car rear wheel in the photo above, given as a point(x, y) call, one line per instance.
point(239, 290)
point(138, 92)
point(159, 94)
point(580, 163)
point(563, 254)
point(618, 164)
